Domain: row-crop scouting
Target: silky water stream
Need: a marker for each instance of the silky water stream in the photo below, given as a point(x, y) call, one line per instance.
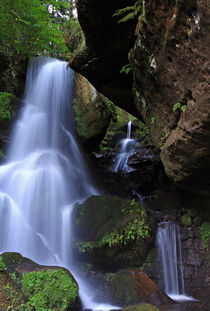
point(168, 242)
point(126, 150)
point(44, 174)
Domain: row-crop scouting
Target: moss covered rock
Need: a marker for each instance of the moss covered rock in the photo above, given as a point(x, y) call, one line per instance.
point(26, 285)
point(92, 113)
point(111, 232)
point(132, 286)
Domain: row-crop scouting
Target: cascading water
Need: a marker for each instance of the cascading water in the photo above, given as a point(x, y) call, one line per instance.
point(126, 150)
point(170, 257)
point(45, 174)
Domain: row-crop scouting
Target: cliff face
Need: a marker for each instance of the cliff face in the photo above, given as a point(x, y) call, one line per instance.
point(170, 74)
point(106, 50)
point(170, 63)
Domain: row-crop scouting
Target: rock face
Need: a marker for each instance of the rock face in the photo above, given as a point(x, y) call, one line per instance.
point(170, 71)
point(92, 113)
point(112, 233)
point(106, 50)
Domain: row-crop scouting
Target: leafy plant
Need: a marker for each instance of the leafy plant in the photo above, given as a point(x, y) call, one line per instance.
point(28, 28)
point(152, 120)
point(3, 266)
point(5, 107)
point(49, 290)
point(179, 106)
point(126, 69)
point(129, 12)
point(205, 232)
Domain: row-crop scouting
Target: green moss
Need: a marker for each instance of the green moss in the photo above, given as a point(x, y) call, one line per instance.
point(205, 232)
point(49, 290)
point(5, 106)
point(3, 266)
point(136, 229)
point(186, 220)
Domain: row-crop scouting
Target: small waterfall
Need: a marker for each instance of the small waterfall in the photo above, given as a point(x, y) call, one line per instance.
point(45, 174)
point(170, 258)
point(126, 150)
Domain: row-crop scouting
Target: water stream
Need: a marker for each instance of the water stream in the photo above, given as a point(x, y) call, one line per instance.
point(126, 150)
point(170, 258)
point(44, 174)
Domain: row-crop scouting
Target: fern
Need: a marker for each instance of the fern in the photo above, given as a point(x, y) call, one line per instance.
point(129, 12)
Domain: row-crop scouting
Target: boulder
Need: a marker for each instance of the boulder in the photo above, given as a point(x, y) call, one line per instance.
point(112, 233)
point(92, 113)
point(132, 286)
point(27, 285)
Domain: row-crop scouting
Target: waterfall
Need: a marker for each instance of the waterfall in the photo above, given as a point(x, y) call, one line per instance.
point(169, 247)
point(126, 150)
point(170, 256)
point(44, 174)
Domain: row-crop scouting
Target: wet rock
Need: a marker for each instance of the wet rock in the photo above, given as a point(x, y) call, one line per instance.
point(132, 286)
point(92, 113)
point(111, 232)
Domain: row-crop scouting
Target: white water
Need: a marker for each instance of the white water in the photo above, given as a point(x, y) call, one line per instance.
point(170, 258)
point(45, 174)
point(126, 150)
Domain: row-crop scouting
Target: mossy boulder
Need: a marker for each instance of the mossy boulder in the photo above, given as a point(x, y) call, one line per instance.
point(131, 286)
point(26, 285)
point(141, 307)
point(112, 232)
point(92, 113)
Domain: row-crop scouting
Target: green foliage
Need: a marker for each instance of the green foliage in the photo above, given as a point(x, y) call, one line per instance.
point(179, 106)
point(3, 266)
point(27, 28)
point(126, 69)
point(136, 228)
point(152, 120)
point(5, 107)
point(74, 36)
point(142, 130)
point(163, 140)
point(49, 290)
point(205, 232)
point(129, 12)
point(186, 220)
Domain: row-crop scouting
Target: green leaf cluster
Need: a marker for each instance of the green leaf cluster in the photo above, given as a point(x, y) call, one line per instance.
point(5, 107)
point(179, 106)
point(129, 12)
point(49, 290)
point(27, 28)
point(205, 232)
point(3, 266)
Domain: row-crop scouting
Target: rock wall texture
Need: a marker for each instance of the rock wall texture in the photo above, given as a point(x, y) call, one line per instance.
point(170, 74)
point(92, 113)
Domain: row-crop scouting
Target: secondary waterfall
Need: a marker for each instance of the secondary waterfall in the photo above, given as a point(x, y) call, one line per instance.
point(170, 258)
point(126, 150)
point(45, 174)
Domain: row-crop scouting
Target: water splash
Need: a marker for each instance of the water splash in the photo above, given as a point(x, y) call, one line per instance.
point(126, 150)
point(45, 174)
